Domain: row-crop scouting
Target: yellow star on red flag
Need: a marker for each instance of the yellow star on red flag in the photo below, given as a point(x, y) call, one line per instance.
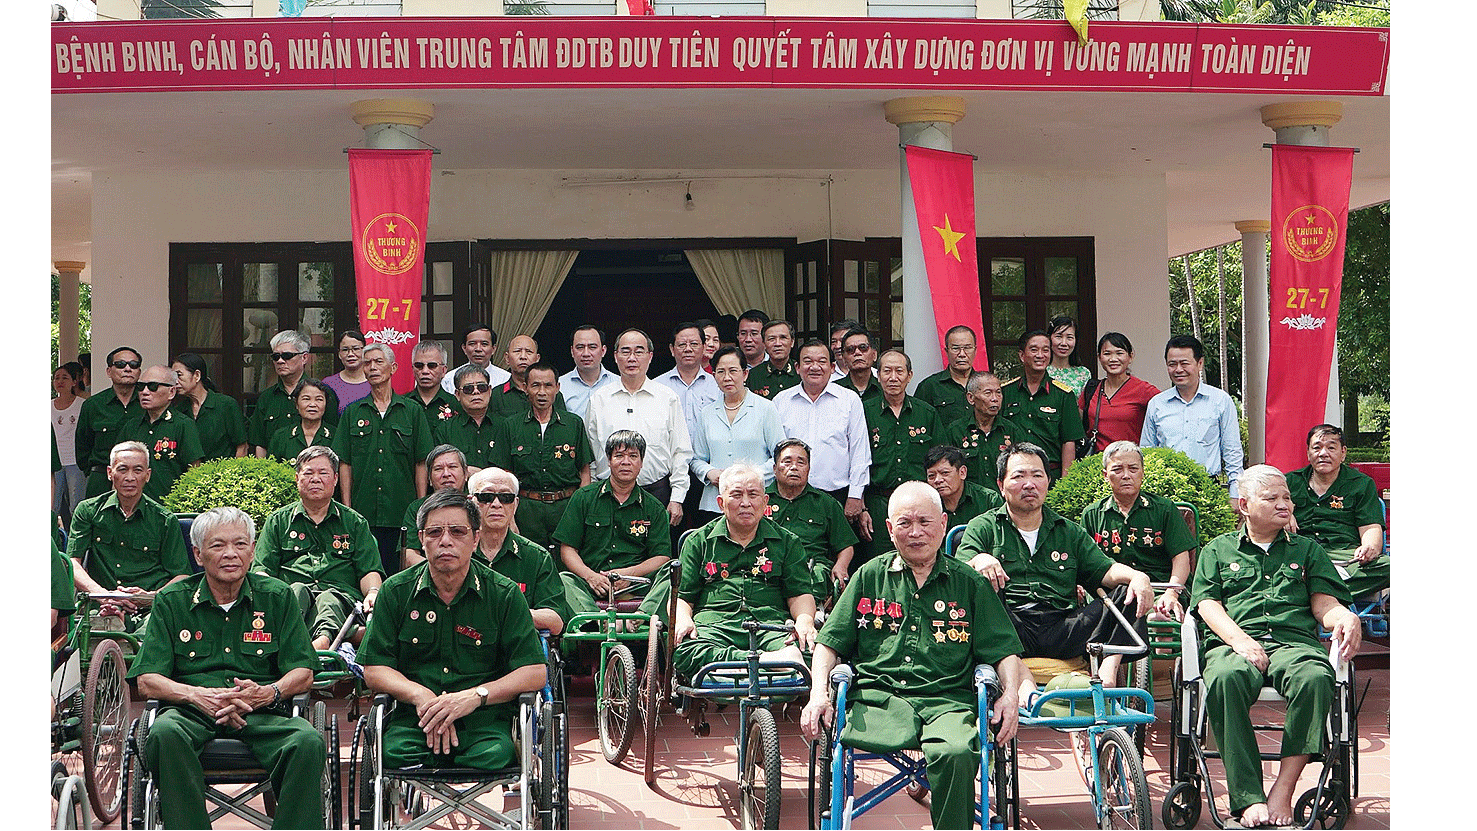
point(951, 238)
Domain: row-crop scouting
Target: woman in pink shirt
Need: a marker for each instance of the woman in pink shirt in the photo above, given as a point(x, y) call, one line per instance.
point(1113, 408)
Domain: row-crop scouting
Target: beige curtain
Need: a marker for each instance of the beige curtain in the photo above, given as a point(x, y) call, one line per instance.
point(524, 284)
point(739, 279)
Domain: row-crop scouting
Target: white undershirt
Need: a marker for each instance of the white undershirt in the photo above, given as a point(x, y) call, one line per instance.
point(1030, 538)
point(227, 606)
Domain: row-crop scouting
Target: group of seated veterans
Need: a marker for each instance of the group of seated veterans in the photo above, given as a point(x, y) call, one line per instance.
point(225, 648)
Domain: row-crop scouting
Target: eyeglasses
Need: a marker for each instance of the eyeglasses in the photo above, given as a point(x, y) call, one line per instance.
point(631, 350)
point(488, 497)
point(457, 532)
point(426, 365)
point(958, 348)
point(155, 386)
point(473, 389)
point(126, 364)
point(286, 356)
point(857, 348)
point(351, 349)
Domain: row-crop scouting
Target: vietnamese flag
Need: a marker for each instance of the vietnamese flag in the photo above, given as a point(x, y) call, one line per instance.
point(943, 197)
point(389, 205)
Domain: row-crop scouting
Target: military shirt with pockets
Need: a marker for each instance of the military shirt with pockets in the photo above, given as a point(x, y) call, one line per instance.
point(382, 452)
point(611, 536)
point(144, 549)
point(1065, 558)
point(1148, 539)
point(1048, 418)
point(1267, 593)
point(335, 553)
point(899, 440)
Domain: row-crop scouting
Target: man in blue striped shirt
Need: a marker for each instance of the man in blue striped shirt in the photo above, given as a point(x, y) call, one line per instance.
point(1193, 417)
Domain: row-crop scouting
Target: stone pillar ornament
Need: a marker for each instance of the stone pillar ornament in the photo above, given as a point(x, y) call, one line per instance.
point(68, 309)
point(392, 123)
point(1254, 334)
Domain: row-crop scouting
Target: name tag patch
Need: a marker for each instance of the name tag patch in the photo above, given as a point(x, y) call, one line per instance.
point(256, 637)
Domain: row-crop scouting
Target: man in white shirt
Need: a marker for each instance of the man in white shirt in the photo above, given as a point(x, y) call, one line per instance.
point(478, 339)
point(695, 387)
point(651, 409)
point(587, 347)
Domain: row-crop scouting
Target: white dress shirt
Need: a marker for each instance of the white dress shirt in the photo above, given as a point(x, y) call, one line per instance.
point(836, 430)
point(577, 393)
point(655, 412)
point(496, 376)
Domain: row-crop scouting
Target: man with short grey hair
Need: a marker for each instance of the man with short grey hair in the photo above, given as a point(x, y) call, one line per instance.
point(274, 406)
point(446, 470)
point(429, 361)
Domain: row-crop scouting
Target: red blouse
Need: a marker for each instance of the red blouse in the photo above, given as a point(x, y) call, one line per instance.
point(1122, 416)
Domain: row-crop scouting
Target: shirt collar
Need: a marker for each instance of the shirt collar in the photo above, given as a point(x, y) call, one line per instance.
point(636, 494)
point(472, 583)
point(203, 597)
point(940, 569)
point(299, 510)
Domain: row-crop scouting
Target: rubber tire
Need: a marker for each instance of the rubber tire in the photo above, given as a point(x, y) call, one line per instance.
point(615, 704)
point(137, 798)
point(546, 797)
point(69, 813)
point(1121, 770)
point(1333, 809)
point(1141, 676)
point(327, 727)
point(362, 776)
point(105, 711)
point(1181, 807)
point(651, 697)
point(762, 749)
point(818, 794)
point(1005, 785)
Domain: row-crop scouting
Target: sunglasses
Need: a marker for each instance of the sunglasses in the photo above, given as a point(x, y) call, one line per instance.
point(155, 386)
point(473, 389)
point(457, 532)
point(126, 364)
point(425, 365)
point(487, 497)
point(286, 356)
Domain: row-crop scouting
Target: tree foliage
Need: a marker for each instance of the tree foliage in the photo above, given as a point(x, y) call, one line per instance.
point(84, 328)
point(1167, 473)
point(1364, 305)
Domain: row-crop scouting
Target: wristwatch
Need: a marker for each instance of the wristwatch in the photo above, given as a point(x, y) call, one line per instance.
point(482, 696)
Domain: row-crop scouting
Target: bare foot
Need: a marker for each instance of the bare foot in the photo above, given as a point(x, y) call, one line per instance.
point(790, 653)
point(1255, 815)
point(1279, 806)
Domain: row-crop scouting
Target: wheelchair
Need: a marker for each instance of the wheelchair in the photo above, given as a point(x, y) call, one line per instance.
point(1374, 609)
point(73, 809)
point(418, 796)
point(228, 762)
point(93, 704)
point(833, 802)
point(1327, 805)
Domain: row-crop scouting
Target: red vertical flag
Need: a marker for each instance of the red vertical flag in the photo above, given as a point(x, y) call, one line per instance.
point(943, 197)
point(389, 205)
point(1310, 214)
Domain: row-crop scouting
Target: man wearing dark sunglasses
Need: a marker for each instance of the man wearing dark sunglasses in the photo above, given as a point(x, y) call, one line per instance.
point(173, 441)
point(473, 429)
point(513, 555)
point(103, 414)
point(429, 362)
point(275, 407)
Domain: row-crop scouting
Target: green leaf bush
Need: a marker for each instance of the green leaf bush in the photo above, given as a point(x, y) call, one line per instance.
point(1168, 473)
point(256, 486)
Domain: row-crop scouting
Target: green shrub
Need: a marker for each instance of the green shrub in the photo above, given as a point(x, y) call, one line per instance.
point(256, 486)
point(1369, 454)
point(1168, 473)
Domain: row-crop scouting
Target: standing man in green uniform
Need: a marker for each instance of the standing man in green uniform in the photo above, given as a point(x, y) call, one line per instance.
point(323, 550)
point(779, 372)
point(225, 652)
point(1044, 410)
point(101, 416)
point(123, 540)
point(382, 445)
point(63, 589)
point(547, 449)
point(514, 556)
point(447, 470)
point(860, 357)
point(901, 429)
point(1036, 560)
point(429, 361)
point(813, 516)
point(473, 429)
point(945, 389)
point(173, 441)
point(453, 642)
point(511, 398)
point(1340, 508)
point(1261, 590)
point(614, 528)
point(741, 566)
point(275, 408)
point(982, 434)
point(914, 625)
point(947, 472)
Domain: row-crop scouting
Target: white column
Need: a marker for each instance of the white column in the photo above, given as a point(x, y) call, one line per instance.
point(1254, 323)
point(392, 123)
point(68, 308)
point(926, 121)
point(1307, 123)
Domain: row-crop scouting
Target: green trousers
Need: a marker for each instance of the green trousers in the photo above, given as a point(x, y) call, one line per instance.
point(537, 521)
point(947, 731)
point(581, 600)
point(1301, 674)
point(1363, 578)
point(484, 739)
point(720, 641)
point(323, 611)
point(290, 750)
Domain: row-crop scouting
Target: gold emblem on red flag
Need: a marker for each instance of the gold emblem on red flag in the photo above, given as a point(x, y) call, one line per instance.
point(1310, 233)
point(951, 238)
point(391, 243)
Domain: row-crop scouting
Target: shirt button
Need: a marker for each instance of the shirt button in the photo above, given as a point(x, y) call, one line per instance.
point(228, 649)
point(415, 640)
point(258, 652)
point(445, 669)
point(913, 628)
point(903, 682)
point(908, 659)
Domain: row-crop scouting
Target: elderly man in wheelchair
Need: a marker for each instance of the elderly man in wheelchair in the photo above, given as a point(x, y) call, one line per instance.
point(1261, 591)
point(914, 625)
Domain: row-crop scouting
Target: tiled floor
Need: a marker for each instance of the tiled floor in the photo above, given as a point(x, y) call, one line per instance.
point(694, 783)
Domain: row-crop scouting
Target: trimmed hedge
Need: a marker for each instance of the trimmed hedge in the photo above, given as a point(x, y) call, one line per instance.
point(256, 486)
point(1168, 473)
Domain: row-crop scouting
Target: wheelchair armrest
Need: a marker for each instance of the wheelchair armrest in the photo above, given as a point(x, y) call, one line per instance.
point(301, 704)
point(987, 681)
point(842, 672)
point(1190, 646)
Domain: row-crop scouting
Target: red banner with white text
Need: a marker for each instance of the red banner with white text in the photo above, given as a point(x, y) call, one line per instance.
point(389, 205)
point(1310, 215)
point(943, 198)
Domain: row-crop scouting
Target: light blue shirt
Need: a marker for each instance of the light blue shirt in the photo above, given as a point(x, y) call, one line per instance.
point(577, 393)
point(695, 397)
point(1205, 428)
point(751, 438)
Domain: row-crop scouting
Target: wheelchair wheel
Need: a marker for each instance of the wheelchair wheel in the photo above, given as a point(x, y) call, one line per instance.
point(1333, 807)
point(105, 705)
point(361, 776)
point(759, 781)
point(1125, 796)
point(546, 793)
point(143, 799)
point(69, 794)
point(1004, 787)
point(651, 697)
point(327, 727)
point(616, 706)
point(1141, 676)
point(1181, 806)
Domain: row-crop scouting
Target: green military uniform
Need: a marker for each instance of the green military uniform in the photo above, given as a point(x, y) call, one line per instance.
point(191, 640)
point(409, 533)
point(975, 500)
point(1269, 595)
point(608, 536)
point(173, 443)
point(275, 409)
point(485, 633)
point(63, 589)
point(287, 442)
point(382, 452)
point(768, 382)
point(547, 461)
point(508, 400)
point(981, 449)
point(1049, 418)
point(322, 563)
point(220, 423)
point(442, 407)
point(817, 519)
point(873, 392)
point(144, 549)
point(1148, 539)
point(899, 442)
point(1334, 520)
point(728, 584)
point(532, 569)
point(946, 395)
point(98, 423)
point(914, 649)
point(479, 441)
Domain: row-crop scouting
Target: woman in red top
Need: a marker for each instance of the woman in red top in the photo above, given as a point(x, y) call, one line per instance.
point(1113, 408)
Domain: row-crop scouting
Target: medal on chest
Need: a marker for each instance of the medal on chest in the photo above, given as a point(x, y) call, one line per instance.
point(762, 563)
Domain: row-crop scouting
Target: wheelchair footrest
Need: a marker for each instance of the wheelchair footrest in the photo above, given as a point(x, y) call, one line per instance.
point(426, 774)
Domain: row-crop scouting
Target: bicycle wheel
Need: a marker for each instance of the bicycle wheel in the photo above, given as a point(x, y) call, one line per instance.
point(616, 706)
point(759, 782)
point(651, 697)
point(818, 791)
point(1141, 676)
point(105, 704)
point(1125, 795)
